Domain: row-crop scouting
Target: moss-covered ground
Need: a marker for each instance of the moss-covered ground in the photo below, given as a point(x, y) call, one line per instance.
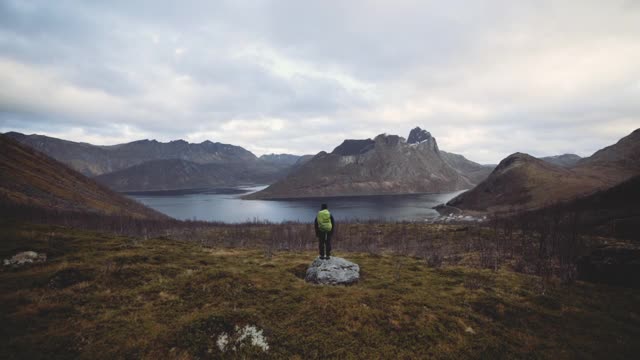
point(105, 297)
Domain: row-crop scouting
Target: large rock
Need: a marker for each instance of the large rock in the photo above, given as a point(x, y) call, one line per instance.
point(335, 271)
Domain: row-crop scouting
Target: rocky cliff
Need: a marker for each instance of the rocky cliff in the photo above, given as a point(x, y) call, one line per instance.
point(387, 164)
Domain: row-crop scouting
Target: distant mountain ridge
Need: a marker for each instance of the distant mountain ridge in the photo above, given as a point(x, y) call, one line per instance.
point(178, 174)
point(150, 165)
point(280, 159)
point(29, 177)
point(95, 160)
point(387, 164)
point(564, 160)
point(473, 171)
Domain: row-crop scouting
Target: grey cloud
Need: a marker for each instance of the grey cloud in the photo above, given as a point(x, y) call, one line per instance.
point(486, 79)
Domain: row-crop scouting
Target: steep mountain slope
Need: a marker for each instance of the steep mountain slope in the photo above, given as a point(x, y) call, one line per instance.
point(303, 160)
point(280, 159)
point(473, 171)
point(95, 160)
point(613, 212)
point(614, 163)
point(523, 182)
point(177, 174)
point(29, 177)
point(564, 160)
point(385, 165)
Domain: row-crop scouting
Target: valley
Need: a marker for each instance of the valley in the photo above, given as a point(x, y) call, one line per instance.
point(319, 180)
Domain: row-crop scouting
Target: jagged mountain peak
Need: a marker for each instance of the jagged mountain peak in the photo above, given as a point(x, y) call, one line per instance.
point(418, 135)
point(388, 140)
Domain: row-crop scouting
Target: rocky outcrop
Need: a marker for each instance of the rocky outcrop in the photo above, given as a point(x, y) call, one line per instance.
point(25, 257)
point(354, 147)
point(418, 135)
point(335, 271)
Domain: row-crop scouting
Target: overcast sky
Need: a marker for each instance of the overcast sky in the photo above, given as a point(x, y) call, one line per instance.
point(486, 78)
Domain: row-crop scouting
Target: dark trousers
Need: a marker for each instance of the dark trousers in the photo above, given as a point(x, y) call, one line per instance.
point(325, 243)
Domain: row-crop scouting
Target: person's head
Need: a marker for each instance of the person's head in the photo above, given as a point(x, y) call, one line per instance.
point(323, 207)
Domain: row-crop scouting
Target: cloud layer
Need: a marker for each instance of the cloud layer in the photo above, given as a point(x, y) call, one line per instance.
point(487, 78)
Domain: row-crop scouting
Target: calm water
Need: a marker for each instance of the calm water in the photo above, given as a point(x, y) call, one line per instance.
point(228, 207)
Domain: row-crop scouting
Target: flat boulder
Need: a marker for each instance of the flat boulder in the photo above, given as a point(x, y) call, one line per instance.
point(335, 271)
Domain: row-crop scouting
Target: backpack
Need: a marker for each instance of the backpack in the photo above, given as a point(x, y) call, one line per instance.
point(324, 220)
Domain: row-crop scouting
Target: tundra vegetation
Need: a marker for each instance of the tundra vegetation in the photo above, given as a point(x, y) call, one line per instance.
point(125, 287)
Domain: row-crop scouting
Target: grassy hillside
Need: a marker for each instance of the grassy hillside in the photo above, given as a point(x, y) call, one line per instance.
point(521, 181)
point(104, 297)
point(28, 177)
point(613, 211)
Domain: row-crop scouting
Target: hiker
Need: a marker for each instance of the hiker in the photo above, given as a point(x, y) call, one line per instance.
point(324, 226)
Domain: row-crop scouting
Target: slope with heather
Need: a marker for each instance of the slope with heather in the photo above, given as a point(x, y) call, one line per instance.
point(522, 182)
point(28, 177)
point(100, 296)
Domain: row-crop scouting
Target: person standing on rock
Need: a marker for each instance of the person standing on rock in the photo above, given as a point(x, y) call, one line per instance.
point(324, 225)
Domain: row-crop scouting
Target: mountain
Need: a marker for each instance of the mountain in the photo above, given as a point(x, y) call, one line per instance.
point(613, 211)
point(178, 174)
point(280, 159)
point(614, 163)
point(29, 177)
point(471, 170)
point(564, 160)
point(303, 160)
point(93, 160)
point(387, 164)
point(148, 165)
point(523, 182)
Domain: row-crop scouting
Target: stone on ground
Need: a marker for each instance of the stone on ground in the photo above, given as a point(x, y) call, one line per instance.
point(25, 257)
point(335, 271)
